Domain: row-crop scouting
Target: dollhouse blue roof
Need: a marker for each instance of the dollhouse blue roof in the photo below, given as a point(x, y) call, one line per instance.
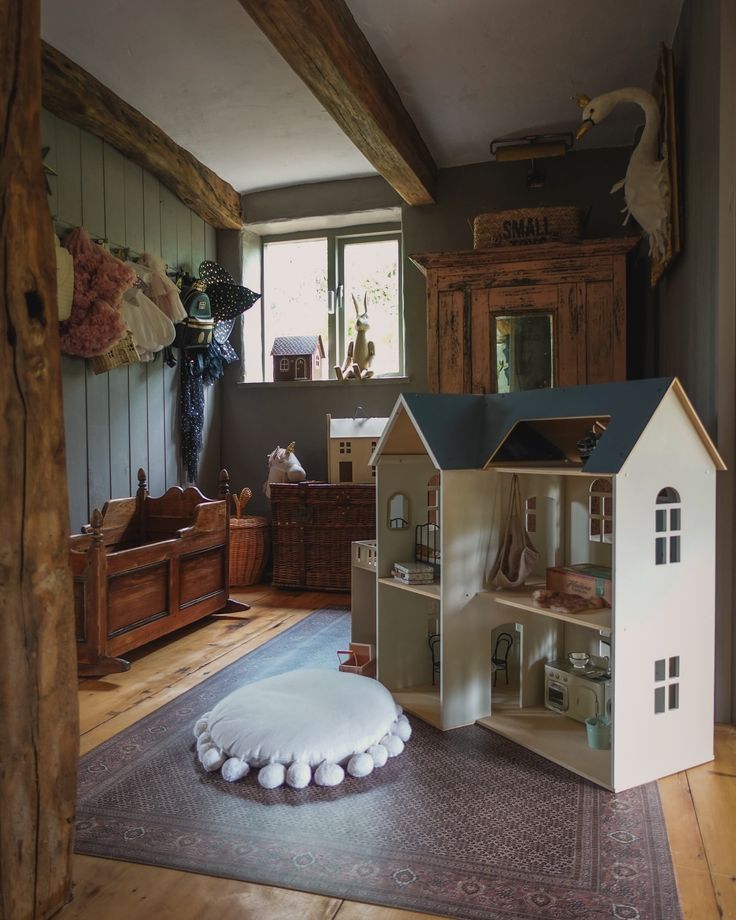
point(469, 431)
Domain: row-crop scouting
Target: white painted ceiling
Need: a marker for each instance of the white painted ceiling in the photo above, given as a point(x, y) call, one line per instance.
point(467, 71)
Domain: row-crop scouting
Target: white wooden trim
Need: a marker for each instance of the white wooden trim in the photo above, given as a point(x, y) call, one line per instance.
point(726, 377)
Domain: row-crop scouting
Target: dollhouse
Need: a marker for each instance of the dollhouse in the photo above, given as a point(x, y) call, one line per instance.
point(298, 357)
point(617, 476)
point(350, 443)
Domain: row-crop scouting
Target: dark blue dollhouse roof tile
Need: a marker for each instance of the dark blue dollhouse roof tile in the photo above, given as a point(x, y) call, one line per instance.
point(468, 431)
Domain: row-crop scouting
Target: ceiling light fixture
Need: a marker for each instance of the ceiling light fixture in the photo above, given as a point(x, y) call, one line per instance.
point(532, 147)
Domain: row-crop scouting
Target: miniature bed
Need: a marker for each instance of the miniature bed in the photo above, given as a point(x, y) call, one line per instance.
point(145, 567)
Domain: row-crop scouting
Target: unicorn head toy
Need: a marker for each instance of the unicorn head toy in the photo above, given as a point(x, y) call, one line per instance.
point(283, 466)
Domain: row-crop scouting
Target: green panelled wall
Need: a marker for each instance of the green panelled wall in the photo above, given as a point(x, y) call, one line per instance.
point(127, 418)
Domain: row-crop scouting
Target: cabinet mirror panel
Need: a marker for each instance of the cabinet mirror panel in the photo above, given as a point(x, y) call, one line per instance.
point(524, 359)
point(398, 511)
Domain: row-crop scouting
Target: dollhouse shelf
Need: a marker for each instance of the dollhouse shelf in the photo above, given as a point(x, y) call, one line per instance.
point(536, 469)
point(554, 736)
point(593, 619)
point(432, 590)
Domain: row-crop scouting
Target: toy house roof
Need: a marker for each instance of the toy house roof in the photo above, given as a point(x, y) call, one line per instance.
point(474, 431)
point(297, 346)
point(361, 427)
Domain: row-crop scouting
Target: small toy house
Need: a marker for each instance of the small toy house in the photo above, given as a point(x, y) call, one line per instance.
point(298, 357)
point(635, 493)
point(350, 443)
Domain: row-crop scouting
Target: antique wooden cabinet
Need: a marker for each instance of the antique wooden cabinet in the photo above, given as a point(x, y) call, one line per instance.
point(512, 318)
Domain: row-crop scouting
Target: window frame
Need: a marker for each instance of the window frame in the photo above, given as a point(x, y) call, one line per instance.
point(337, 238)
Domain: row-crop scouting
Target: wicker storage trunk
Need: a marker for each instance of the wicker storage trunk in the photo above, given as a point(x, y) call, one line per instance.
point(314, 524)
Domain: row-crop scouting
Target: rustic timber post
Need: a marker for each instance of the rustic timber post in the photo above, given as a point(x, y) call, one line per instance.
point(38, 698)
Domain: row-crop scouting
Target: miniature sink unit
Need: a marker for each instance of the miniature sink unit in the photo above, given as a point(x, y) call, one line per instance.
point(638, 498)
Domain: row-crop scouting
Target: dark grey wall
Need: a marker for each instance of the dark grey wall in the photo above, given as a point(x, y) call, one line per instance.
point(688, 297)
point(257, 417)
point(688, 294)
point(127, 418)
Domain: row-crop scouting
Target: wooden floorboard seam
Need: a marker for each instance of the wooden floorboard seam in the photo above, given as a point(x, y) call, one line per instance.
point(189, 673)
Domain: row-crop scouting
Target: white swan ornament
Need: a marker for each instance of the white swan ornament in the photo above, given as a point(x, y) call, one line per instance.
point(646, 184)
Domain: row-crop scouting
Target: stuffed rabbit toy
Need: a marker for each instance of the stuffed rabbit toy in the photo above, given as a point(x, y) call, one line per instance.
point(358, 360)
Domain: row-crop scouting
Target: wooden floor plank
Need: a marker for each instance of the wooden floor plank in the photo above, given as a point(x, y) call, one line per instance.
point(145, 705)
point(699, 806)
point(352, 910)
point(106, 889)
point(160, 666)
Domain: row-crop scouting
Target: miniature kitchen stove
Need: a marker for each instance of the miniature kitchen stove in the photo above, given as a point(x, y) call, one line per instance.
point(579, 692)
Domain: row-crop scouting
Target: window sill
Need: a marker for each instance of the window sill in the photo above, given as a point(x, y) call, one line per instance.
point(352, 382)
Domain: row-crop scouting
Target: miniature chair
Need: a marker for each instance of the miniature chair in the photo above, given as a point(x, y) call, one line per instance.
point(500, 657)
point(433, 642)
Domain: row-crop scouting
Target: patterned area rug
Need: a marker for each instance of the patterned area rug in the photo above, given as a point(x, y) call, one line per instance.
point(463, 823)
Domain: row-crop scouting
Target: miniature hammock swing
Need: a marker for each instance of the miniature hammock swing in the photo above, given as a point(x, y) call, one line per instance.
point(516, 555)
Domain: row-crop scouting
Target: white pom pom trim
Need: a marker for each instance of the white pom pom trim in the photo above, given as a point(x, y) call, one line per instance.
point(234, 769)
point(379, 754)
point(402, 728)
point(299, 775)
point(329, 774)
point(393, 744)
point(212, 759)
point(272, 775)
point(360, 765)
point(200, 727)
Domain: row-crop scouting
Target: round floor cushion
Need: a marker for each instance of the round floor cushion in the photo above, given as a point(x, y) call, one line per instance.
point(301, 727)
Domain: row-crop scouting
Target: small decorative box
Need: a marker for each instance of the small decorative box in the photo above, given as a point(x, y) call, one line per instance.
point(413, 573)
point(584, 579)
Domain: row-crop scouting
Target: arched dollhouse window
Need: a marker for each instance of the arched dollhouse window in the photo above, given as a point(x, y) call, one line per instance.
point(433, 499)
point(668, 526)
point(284, 364)
point(600, 512)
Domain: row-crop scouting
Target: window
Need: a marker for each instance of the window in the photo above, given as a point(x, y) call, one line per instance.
point(530, 513)
point(346, 447)
point(600, 508)
point(666, 676)
point(668, 526)
point(309, 286)
point(284, 364)
point(433, 499)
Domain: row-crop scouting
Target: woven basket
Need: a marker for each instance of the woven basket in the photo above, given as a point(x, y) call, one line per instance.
point(121, 354)
point(526, 226)
point(249, 543)
point(314, 525)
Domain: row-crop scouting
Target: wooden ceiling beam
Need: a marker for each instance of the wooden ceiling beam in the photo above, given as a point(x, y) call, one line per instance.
point(321, 41)
point(76, 96)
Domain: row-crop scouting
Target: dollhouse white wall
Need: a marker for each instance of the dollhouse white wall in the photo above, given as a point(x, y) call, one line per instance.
point(663, 611)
